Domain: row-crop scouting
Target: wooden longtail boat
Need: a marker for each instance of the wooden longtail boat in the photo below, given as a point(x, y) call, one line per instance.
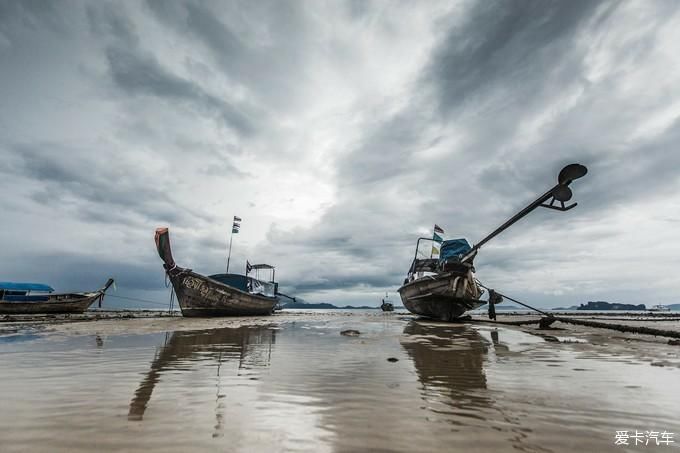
point(36, 298)
point(216, 295)
point(445, 288)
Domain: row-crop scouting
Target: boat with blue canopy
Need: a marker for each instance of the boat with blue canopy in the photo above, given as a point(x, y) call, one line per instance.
point(38, 298)
point(445, 287)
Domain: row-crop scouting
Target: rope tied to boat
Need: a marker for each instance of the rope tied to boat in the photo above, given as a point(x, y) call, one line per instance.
point(549, 318)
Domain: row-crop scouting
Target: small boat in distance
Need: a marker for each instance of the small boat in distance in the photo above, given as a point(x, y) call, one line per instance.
point(38, 298)
point(219, 294)
point(386, 304)
point(659, 308)
point(445, 288)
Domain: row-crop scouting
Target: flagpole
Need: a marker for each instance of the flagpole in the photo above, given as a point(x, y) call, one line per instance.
point(432, 246)
point(229, 255)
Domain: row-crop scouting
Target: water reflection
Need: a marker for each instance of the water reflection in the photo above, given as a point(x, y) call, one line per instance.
point(449, 361)
point(250, 346)
point(301, 386)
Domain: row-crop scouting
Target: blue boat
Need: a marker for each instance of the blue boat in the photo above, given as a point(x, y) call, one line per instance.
point(38, 298)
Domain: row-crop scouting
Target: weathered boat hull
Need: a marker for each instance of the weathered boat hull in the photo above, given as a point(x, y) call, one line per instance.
point(444, 297)
point(56, 303)
point(201, 296)
point(72, 303)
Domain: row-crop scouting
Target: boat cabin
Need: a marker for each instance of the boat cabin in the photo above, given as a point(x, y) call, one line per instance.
point(24, 292)
point(449, 260)
point(249, 284)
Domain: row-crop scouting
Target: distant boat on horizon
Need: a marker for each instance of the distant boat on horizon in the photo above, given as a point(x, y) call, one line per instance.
point(386, 304)
point(38, 298)
point(659, 308)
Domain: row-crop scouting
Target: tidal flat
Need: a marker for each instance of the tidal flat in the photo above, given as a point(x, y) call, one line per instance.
point(293, 382)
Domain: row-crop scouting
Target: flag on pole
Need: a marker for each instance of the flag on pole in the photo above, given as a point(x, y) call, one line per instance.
point(236, 226)
point(437, 229)
point(237, 219)
point(249, 267)
point(437, 238)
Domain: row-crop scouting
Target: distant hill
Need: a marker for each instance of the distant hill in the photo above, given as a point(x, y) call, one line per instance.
point(601, 305)
point(674, 307)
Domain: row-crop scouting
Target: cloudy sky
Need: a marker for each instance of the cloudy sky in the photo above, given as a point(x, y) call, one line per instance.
point(340, 131)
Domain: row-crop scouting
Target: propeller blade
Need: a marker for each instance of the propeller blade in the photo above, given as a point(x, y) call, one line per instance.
point(562, 193)
point(571, 172)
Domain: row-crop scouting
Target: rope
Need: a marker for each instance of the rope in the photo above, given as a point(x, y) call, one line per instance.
point(139, 300)
point(550, 318)
point(172, 300)
point(550, 315)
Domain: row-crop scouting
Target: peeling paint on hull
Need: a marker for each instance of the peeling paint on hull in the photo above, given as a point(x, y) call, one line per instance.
point(201, 296)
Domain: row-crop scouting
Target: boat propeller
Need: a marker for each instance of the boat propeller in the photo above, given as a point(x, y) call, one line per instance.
point(561, 192)
point(552, 199)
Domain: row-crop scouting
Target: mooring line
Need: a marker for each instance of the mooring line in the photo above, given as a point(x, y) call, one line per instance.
point(139, 300)
point(550, 318)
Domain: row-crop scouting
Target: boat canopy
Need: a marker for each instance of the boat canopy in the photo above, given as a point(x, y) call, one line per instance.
point(454, 249)
point(11, 286)
point(247, 284)
point(425, 265)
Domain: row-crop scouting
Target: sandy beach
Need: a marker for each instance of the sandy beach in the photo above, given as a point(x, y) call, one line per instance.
point(292, 381)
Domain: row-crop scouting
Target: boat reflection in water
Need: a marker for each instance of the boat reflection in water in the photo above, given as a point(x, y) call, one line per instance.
point(449, 361)
point(248, 346)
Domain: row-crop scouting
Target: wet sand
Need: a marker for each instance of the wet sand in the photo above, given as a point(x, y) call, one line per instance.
point(292, 382)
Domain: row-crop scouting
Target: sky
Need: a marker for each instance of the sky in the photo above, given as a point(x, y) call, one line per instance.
point(340, 132)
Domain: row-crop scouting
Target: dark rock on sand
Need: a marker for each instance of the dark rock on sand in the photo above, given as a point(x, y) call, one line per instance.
point(392, 359)
point(350, 333)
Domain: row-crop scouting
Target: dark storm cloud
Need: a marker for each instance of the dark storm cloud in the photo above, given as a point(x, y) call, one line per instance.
point(510, 44)
point(142, 75)
point(33, 14)
point(138, 72)
point(261, 45)
point(103, 191)
point(92, 272)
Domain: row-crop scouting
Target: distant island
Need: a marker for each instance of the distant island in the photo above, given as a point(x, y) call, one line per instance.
point(601, 305)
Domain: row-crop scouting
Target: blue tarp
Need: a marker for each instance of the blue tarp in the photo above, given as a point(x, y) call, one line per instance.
point(11, 286)
point(25, 298)
point(454, 248)
point(234, 280)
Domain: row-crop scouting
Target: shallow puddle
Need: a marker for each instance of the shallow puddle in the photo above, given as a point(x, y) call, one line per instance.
point(302, 386)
